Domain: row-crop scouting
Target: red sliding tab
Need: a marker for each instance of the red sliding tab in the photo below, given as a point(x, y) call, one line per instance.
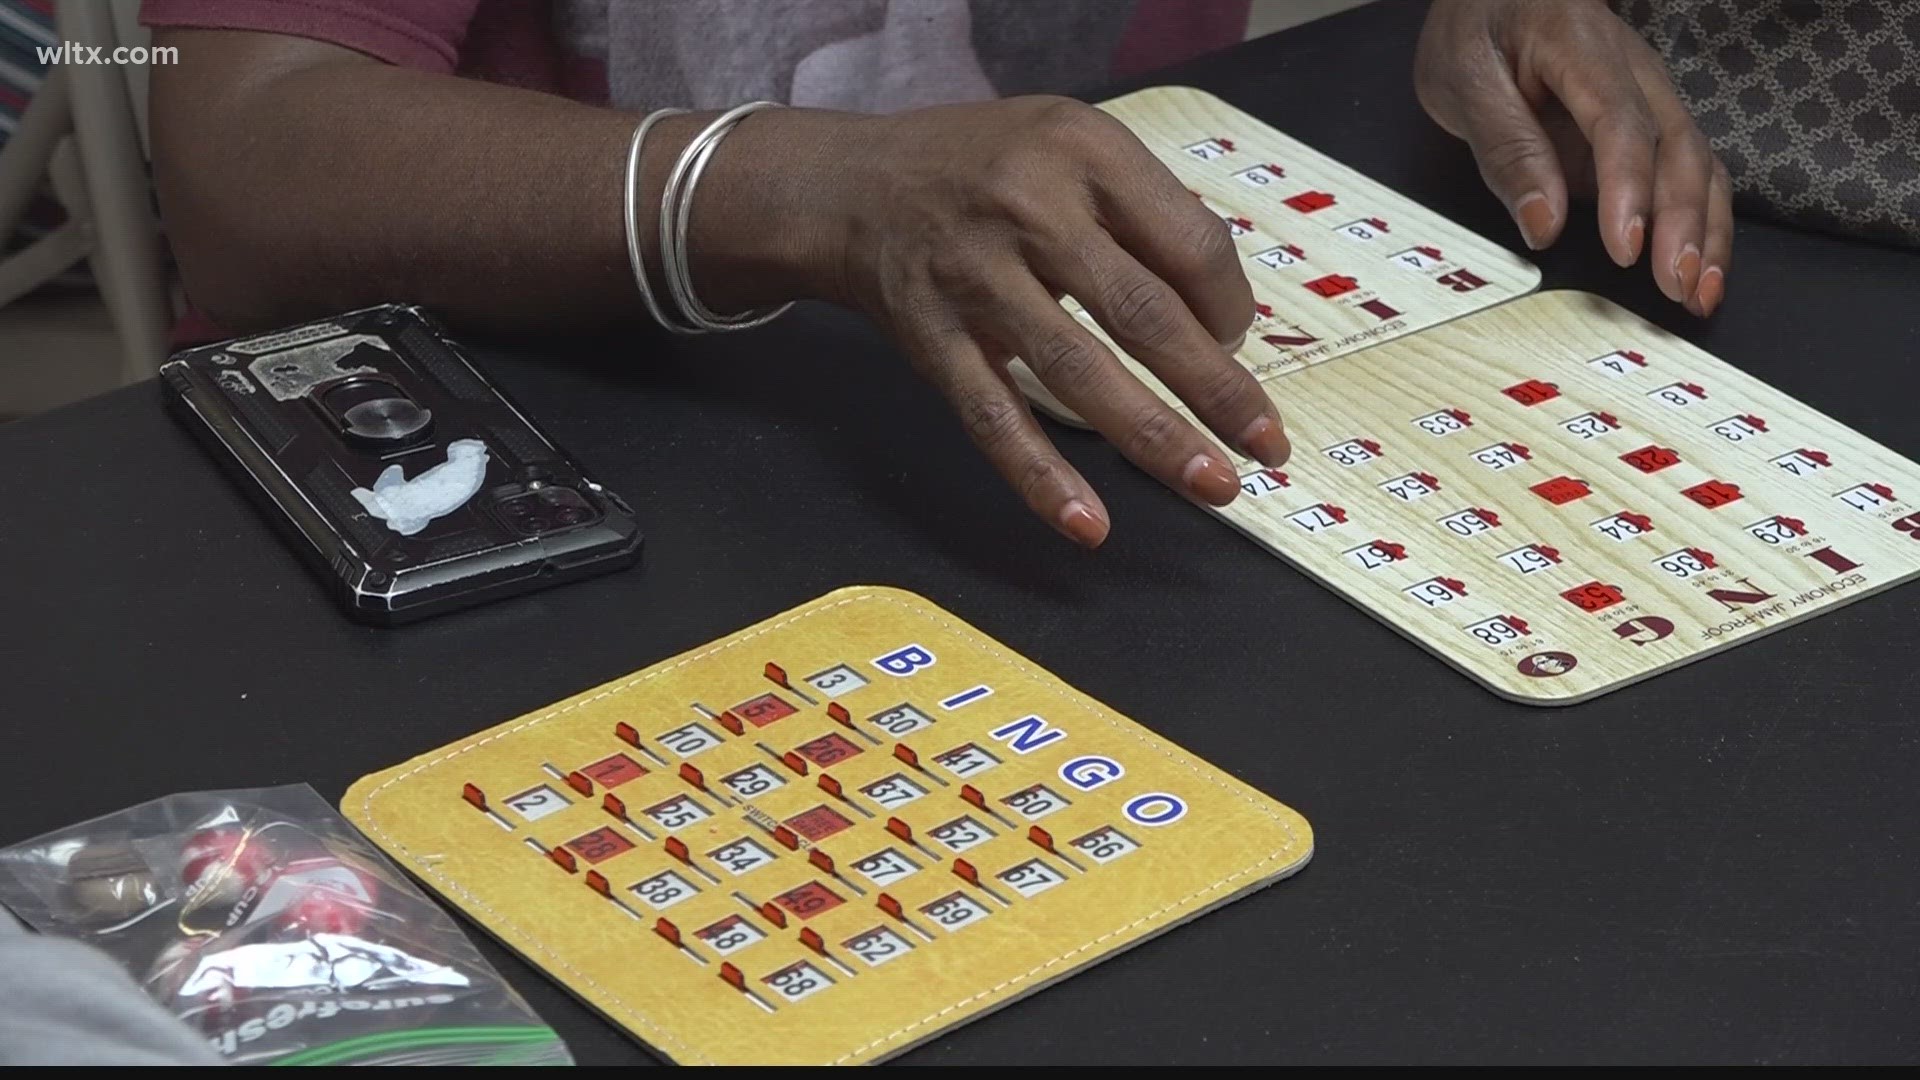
point(598, 883)
point(667, 930)
point(778, 674)
point(625, 733)
point(563, 859)
point(472, 794)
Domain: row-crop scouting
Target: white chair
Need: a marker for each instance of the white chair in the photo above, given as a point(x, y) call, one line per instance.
point(84, 131)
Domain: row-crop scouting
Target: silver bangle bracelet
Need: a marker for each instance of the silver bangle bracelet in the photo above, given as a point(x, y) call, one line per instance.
point(676, 208)
point(635, 258)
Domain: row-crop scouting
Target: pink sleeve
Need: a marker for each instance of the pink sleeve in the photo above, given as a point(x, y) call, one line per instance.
point(424, 34)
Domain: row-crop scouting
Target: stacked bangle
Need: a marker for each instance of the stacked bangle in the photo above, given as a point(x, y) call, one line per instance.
point(684, 313)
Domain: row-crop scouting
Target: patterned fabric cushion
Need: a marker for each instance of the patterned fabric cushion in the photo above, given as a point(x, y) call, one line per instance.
point(1814, 105)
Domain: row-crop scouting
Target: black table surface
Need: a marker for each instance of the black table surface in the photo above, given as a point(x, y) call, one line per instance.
point(1717, 865)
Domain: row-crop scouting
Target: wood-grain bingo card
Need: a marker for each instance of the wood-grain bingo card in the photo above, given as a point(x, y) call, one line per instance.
point(1551, 494)
point(826, 838)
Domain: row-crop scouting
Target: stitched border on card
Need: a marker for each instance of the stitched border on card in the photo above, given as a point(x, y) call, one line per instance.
point(925, 609)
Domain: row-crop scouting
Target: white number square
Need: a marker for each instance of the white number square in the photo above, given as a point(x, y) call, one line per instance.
point(1494, 632)
point(663, 890)
point(954, 911)
point(1350, 453)
point(1362, 230)
point(730, 935)
point(1614, 364)
point(1369, 556)
point(893, 791)
point(753, 780)
point(1206, 150)
point(900, 720)
point(1466, 523)
point(1260, 484)
point(885, 866)
point(1439, 423)
point(877, 946)
point(1617, 528)
point(1797, 463)
point(1275, 257)
point(1031, 878)
point(960, 834)
point(1682, 564)
point(689, 740)
point(1316, 518)
point(797, 981)
point(677, 812)
point(836, 680)
point(1035, 802)
point(1736, 429)
point(1105, 844)
point(967, 760)
point(1408, 488)
point(1527, 560)
point(1498, 457)
point(1432, 592)
point(1676, 396)
point(1772, 531)
point(1863, 497)
point(1258, 176)
point(743, 856)
point(1587, 426)
point(1415, 259)
point(536, 803)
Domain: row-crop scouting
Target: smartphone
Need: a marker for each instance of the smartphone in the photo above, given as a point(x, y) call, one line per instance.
point(410, 481)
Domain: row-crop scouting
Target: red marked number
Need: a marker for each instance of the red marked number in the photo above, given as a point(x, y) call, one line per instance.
point(600, 845)
point(1561, 490)
point(764, 709)
point(1333, 285)
point(827, 749)
point(1713, 494)
point(614, 771)
point(1593, 596)
point(1651, 459)
point(809, 900)
point(1532, 392)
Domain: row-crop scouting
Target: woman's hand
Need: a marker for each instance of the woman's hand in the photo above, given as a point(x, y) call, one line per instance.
point(959, 229)
point(1556, 95)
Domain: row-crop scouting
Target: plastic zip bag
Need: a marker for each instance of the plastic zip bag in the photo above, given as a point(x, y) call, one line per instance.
point(264, 921)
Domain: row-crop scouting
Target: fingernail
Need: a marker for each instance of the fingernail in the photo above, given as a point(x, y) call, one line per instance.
point(1085, 527)
point(1535, 218)
point(1265, 441)
point(1713, 289)
point(1233, 346)
point(1636, 234)
point(1210, 480)
point(1687, 269)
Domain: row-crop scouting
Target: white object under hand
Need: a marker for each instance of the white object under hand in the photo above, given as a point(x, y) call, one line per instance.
point(408, 505)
